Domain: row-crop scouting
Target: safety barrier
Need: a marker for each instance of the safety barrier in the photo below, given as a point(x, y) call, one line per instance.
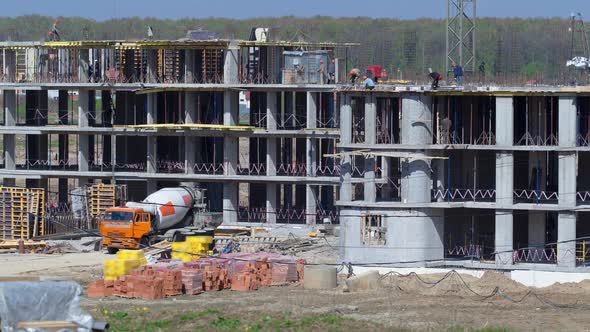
point(472, 250)
point(464, 194)
point(535, 194)
point(534, 255)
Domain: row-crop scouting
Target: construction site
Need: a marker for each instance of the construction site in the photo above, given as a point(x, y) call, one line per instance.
point(155, 183)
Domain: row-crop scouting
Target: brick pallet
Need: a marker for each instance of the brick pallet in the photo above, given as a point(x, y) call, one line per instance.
point(238, 272)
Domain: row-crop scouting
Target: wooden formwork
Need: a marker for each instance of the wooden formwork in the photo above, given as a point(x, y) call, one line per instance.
point(21, 212)
point(102, 196)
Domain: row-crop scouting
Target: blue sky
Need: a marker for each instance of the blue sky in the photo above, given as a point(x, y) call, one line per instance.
point(405, 9)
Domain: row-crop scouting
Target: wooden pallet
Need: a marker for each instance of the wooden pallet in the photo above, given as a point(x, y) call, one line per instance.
point(22, 212)
point(100, 197)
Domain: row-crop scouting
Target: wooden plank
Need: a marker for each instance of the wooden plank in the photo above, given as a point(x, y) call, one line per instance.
point(49, 326)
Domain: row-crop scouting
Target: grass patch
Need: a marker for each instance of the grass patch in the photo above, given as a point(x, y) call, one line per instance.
point(483, 329)
point(225, 323)
point(188, 316)
point(156, 320)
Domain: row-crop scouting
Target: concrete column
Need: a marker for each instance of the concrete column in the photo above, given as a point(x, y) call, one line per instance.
point(504, 237)
point(536, 229)
point(83, 139)
point(310, 204)
point(271, 158)
point(418, 233)
point(83, 65)
point(504, 121)
point(567, 161)
point(271, 203)
point(386, 175)
point(152, 186)
point(271, 142)
point(230, 65)
point(189, 66)
point(567, 121)
point(504, 179)
point(230, 157)
point(152, 143)
point(230, 118)
point(416, 130)
point(566, 235)
point(9, 139)
point(370, 190)
point(190, 142)
point(441, 176)
point(10, 66)
point(9, 108)
point(311, 148)
point(152, 66)
point(566, 182)
point(345, 138)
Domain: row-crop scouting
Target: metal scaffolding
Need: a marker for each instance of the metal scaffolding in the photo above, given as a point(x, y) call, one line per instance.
point(461, 34)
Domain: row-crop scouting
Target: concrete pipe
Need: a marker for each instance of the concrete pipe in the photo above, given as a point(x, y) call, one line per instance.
point(364, 282)
point(319, 277)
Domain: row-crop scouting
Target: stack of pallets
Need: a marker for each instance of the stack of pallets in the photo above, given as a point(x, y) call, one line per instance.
point(100, 197)
point(21, 212)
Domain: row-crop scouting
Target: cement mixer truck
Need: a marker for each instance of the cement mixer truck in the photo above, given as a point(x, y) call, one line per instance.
point(167, 214)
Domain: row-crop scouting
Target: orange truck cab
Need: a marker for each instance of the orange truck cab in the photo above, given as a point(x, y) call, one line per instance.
point(125, 228)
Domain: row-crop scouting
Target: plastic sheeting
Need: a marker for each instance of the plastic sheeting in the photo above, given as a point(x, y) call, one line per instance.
point(42, 301)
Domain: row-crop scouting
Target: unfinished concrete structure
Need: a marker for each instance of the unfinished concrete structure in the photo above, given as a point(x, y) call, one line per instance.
point(150, 114)
point(482, 177)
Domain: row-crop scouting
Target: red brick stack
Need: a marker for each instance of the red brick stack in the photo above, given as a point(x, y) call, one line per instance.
point(215, 278)
point(239, 272)
point(172, 282)
point(300, 268)
point(192, 281)
point(100, 288)
point(145, 287)
point(264, 272)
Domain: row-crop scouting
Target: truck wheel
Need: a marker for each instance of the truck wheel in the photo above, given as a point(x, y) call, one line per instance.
point(144, 242)
point(112, 251)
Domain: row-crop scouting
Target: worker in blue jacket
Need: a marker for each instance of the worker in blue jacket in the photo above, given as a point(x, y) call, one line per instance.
point(458, 72)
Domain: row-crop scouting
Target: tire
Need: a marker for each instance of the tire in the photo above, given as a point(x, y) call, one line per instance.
point(144, 242)
point(112, 251)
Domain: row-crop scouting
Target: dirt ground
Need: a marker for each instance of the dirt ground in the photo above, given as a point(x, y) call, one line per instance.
point(426, 302)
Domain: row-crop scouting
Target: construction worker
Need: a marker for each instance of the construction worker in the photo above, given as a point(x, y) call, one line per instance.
point(54, 33)
point(355, 73)
point(332, 72)
point(384, 75)
point(369, 83)
point(321, 71)
point(436, 77)
point(458, 73)
point(482, 71)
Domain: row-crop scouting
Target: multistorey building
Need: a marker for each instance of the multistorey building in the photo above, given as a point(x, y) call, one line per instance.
point(151, 114)
point(481, 177)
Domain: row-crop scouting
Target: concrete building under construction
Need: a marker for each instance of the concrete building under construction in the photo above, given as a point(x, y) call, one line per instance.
point(481, 176)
